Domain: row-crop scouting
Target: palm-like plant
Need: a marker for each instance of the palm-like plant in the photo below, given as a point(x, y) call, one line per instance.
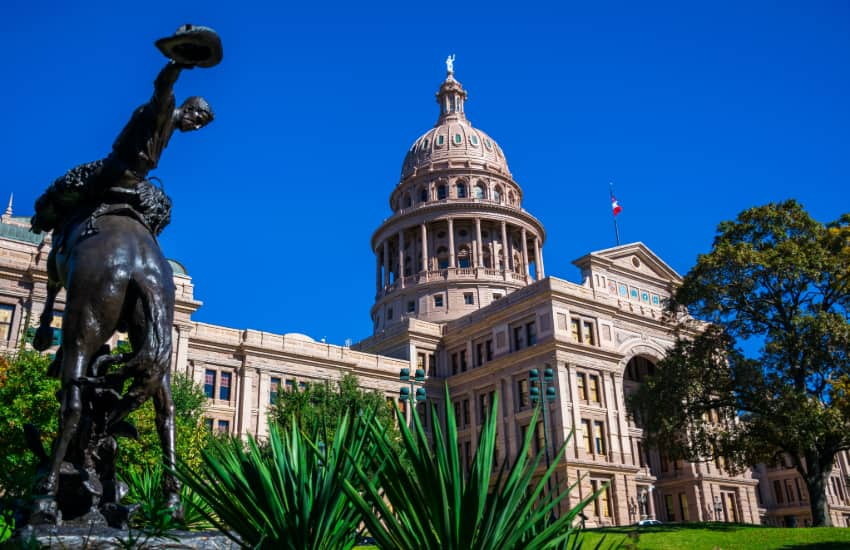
point(284, 494)
point(436, 505)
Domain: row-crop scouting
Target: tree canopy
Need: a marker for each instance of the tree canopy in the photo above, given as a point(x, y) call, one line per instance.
point(760, 368)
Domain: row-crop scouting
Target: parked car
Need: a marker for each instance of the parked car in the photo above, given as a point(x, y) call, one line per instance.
point(648, 523)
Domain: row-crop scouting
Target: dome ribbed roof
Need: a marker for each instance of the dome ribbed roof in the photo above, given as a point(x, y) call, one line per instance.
point(453, 141)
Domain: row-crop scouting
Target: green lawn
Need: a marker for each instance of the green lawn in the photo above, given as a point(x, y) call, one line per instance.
point(721, 536)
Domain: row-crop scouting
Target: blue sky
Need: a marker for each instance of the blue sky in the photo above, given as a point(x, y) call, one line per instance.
point(694, 112)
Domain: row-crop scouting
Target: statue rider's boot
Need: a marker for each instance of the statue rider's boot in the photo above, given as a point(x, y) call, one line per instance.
point(43, 338)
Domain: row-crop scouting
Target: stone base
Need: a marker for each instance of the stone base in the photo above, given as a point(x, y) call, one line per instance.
point(102, 538)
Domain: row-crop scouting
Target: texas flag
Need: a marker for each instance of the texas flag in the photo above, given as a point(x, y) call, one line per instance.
point(615, 206)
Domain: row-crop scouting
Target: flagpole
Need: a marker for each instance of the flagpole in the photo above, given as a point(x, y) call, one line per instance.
point(614, 216)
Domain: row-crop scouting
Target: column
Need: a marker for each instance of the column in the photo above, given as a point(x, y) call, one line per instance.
point(401, 257)
point(505, 252)
point(538, 256)
point(524, 255)
point(378, 267)
point(386, 263)
point(424, 237)
point(480, 245)
point(451, 243)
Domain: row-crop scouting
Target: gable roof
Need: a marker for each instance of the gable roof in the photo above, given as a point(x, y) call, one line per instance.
point(630, 259)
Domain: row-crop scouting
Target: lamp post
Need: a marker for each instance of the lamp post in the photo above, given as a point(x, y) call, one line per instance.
point(413, 391)
point(543, 386)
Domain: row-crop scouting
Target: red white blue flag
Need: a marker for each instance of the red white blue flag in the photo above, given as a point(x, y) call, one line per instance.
point(615, 206)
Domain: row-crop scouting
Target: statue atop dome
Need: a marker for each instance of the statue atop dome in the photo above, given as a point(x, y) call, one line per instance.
point(450, 64)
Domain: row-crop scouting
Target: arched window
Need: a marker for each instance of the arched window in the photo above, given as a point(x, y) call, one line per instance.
point(488, 259)
point(497, 194)
point(407, 202)
point(639, 368)
point(460, 188)
point(442, 192)
point(511, 198)
point(423, 194)
point(464, 260)
point(442, 258)
point(479, 191)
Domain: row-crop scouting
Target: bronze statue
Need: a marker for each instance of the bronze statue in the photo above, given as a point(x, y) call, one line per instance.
point(105, 216)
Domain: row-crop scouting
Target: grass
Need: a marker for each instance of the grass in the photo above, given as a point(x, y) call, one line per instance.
point(722, 536)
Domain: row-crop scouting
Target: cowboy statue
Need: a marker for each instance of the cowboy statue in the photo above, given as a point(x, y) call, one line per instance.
point(105, 216)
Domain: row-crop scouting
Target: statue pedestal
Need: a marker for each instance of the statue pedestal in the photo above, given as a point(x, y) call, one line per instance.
point(81, 537)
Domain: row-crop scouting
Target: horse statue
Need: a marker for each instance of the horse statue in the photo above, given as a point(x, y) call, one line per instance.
point(105, 217)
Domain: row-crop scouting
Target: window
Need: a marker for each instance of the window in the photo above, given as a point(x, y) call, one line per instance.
point(223, 426)
point(479, 191)
point(599, 437)
point(539, 438)
point(463, 261)
point(641, 455)
point(208, 424)
point(432, 364)
point(460, 188)
point(438, 300)
point(466, 412)
point(440, 139)
point(224, 388)
point(574, 324)
point(479, 354)
point(474, 139)
point(6, 313)
point(442, 192)
point(209, 383)
point(468, 298)
point(389, 313)
point(454, 363)
point(531, 333)
point(497, 194)
point(582, 330)
point(683, 506)
point(582, 392)
point(800, 492)
point(488, 350)
point(789, 490)
point(585, 434)
point(274, 390)
point(497, 296)
point(668, 504)
point(303, 386)
point(423, 195)
point(587, 333)
point(602, 503)
point(458, 139)
point(605, 502)
point(523, 399)
point(411, 306)
point(594, 389)
point(519, 343)
point(463, 360)
point(290, 384)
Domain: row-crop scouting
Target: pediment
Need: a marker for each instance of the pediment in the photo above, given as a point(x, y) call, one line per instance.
point(631, 260)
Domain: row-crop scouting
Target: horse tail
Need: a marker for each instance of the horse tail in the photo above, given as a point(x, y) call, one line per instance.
point(154, 355)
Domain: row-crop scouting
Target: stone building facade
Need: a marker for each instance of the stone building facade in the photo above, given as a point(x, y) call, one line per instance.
point(461, 293)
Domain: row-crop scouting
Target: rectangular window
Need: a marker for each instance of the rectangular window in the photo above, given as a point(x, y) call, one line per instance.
point(574, 330)
point(683, 506)
point(585, 434)
point(599, 437)
point(303, 386)
point(411, 306)
point(438, 300)
point(290, 384)
point(208, 424)
point(582, 392)
point(518, 339)
point(274, 390)
point(641, 456)
point(531, 333)
point(467, 455)
point(468, 298)
point(479, 354)
point(523, 399)
point(594, 389)
point(432, 364)
point(800, 493)
point(463, 361)
point(668, 504)
point(224, 388)
point(6, 313)
point(482, 407)
point(420, 361)
point(488, 350)
point(605, 502)
point(456, 406)
point(789, 491)
point(539, 438)
point(587, 336)
point(223, 426)
point(466, 421)
point(594, 486)
point(209, 383)
point(777, 492)
point(454, 363)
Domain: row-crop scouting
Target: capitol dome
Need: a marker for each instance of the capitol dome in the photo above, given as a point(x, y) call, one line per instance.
point(453, 140)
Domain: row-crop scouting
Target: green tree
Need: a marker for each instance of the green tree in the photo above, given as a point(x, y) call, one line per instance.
point(776, 284)
point(320, 406)
point(144, 453)
point(27, 396)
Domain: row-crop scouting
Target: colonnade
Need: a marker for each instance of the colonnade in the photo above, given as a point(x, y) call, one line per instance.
point(438, 253)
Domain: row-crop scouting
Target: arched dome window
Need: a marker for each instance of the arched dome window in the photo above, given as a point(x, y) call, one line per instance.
point(511, 198)
point(406, 201)
point(423, 194)
point(460, 188)
point(497, 194)
point(488, 259)
point(479, 191)
point(407, 266)
point(442, 258)
point(442, 191)
point(464, 260)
